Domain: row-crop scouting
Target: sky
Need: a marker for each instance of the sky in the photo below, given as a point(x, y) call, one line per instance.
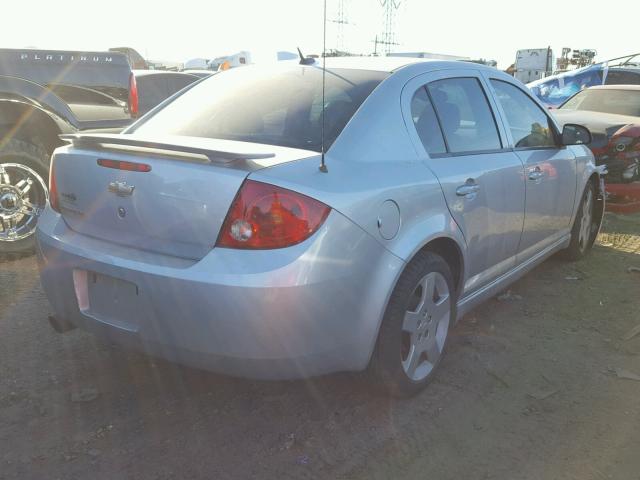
point(184, 29)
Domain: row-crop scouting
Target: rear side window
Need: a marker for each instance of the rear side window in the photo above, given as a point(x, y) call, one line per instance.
point(178, 82)
point(622, 78)
point(530, 126)
point(152, 89)
point(426, 123)
point(274, 106)
point(465, 115)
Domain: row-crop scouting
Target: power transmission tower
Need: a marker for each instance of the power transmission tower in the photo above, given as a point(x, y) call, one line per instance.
point(388, 37)
point(341, 19)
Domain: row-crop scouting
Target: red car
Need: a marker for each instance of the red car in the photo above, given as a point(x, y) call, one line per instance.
point(612, 114)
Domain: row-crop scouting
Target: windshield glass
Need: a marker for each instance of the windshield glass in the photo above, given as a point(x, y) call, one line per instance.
point(275, 106)
point(621, 102)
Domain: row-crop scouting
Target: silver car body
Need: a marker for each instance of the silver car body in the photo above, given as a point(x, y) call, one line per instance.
point(315, 307)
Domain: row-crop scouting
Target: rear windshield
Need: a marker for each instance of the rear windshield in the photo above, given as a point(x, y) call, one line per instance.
point(621, 102)
point(274, 106)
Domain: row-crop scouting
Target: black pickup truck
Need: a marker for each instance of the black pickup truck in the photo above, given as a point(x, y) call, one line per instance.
point(44, 93)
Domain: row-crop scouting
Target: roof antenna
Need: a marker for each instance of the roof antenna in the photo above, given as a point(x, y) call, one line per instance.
point(305, 60)
point(323, 166)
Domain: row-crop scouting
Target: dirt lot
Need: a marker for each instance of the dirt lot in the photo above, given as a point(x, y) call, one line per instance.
point(528, 391)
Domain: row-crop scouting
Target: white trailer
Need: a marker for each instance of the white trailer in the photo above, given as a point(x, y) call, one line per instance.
point(533, 64)
point(230, 61)
point(196, 64)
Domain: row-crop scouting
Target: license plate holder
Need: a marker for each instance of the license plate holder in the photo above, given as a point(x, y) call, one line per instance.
point(108, 299)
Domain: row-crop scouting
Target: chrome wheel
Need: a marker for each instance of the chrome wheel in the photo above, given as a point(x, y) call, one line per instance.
point(425, 326)
point(23, 195)
point(586, 221)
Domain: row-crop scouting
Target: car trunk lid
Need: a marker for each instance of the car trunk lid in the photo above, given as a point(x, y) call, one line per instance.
point(168, 195)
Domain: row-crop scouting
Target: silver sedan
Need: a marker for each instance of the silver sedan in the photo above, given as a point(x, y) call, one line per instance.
point(264, 226)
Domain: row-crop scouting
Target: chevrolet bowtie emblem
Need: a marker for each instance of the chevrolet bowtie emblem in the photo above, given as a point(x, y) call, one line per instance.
point(121, 189)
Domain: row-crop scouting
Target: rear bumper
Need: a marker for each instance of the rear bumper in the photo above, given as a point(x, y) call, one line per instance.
point(307, 310)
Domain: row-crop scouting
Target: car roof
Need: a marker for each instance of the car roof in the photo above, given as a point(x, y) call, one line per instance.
point(198, 72)
point(148, 73)
point(615, 87)
point(390, 64)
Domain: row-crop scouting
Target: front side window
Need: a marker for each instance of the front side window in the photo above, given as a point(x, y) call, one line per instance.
point(426, 123)
point(274, 106)
point(465, 115)
point(530, 126)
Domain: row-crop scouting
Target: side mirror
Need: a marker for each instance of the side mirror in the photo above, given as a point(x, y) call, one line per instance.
point(573, 134)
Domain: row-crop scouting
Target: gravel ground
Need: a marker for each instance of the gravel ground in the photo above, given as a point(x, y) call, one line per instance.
point(530, 389)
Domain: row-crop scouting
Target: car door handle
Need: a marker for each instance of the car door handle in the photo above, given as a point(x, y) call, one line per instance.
point(468, 189)
point(536, 174)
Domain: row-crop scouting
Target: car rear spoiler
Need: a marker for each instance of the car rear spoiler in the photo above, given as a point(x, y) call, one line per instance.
point(179, 147)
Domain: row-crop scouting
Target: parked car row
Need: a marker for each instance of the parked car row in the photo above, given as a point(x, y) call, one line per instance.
point(612, 114)
point(277, 222)
point(557, 89)
point(606, 98)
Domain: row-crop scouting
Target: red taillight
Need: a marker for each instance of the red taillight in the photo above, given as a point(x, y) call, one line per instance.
point(53, 188)
point(133, 96)
point(129, 166)
point(264, 216)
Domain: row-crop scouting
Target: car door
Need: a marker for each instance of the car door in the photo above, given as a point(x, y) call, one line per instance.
point(550, 169)
point(454, 130)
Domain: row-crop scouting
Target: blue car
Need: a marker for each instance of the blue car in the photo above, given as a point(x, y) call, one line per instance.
point(553, 91)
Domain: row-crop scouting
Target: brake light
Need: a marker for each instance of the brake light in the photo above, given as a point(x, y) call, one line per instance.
point(129, 166)
point(133, 96)
point(264, 216)
point(53, 187)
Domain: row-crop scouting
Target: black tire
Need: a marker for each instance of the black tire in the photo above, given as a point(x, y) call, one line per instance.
point(580, 246)
point(34, 157)
point(386, 368)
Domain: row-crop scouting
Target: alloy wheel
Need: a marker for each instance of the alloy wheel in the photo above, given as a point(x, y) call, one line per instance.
point(23, 196)
point(425, 326)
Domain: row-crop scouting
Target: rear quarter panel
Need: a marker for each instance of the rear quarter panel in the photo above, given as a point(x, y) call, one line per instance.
point(374, 160)
point(371, 162)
